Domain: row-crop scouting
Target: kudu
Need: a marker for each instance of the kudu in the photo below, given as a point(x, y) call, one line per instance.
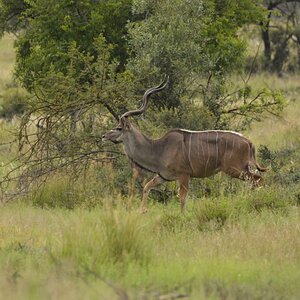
point(182, 154)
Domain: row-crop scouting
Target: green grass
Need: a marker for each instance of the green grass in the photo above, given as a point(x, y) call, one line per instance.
point(7, 59)
point(278, 131)
point(105, 251)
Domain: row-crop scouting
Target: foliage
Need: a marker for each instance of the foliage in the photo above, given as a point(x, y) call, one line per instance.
point(233, 242)
point(213, 214)
point(70, 57)
point(56, 193)
point(186, 115)
point(279, 36)
point(52, 27)
point(284, 163)
point(124, 238)
point(63, 123)
point(11, 19)
point(189, 40)
point(117, 240)
point(13, 102)
point(197, 44)
point(239, 109)
point(74, 64)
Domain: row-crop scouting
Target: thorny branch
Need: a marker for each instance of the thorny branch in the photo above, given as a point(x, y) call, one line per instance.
point(48, 142)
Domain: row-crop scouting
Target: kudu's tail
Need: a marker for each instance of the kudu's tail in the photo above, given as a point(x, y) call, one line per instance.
point(259, 168)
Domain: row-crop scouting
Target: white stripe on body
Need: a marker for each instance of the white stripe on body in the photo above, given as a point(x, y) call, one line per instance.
point(207, 155)
point(206, 131)
point(189, 156)
point(232, 148)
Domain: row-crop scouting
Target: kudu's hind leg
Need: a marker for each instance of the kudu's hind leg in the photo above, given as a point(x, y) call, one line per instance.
point(183, 190)
point(246, 175)
point(255, 179)
point(155, 181)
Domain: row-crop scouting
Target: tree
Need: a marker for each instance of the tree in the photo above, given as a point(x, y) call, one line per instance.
point(71, 57)
point(11, 15)
point(198, 45)
point(279, 28)
point(52, 27)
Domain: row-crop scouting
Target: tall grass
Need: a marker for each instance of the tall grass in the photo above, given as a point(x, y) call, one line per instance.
point(278, 131)
point(7, 59)
point(256, 255)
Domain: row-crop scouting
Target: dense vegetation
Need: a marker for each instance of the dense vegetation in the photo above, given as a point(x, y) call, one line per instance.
point(83, 63)
point(78, 234)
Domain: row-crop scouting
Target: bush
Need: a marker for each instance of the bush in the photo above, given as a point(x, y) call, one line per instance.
point(60, 192)
point(275, 199)
point(215, 289)
point(187, 116)
point(13, 102)
point(284, 164)
point(213, 214)
point(56, 192)
point(216, 186)
point(174, 222)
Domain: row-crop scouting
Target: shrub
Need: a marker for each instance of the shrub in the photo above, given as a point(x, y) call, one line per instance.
point(13, 102)
point(275, 199)
point(60, 192)
point(284, 163)
point(189, 115)
point(174, 222)
point(213, 214)
point(215, 289)
point(56, 192)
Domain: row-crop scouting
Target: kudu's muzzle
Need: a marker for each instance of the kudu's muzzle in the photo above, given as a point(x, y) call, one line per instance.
point(109, 136)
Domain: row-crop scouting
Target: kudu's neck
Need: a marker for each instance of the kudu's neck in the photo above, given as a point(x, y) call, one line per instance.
point(141, 149)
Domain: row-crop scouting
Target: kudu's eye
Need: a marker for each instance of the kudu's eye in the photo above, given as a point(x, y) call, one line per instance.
point(119, 128)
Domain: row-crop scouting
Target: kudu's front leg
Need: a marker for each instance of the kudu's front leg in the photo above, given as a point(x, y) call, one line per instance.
point(135, 175)
point(155, 181)
point(183, 190)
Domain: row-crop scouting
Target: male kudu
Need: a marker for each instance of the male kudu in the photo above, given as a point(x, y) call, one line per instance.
point(182, 154)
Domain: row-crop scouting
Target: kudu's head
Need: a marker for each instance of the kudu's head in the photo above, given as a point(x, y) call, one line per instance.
point(117, 134)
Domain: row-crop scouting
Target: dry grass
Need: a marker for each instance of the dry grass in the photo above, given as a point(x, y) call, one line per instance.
point(83, 254)
point(7, 59)
point(278, 131)
point(261, 238)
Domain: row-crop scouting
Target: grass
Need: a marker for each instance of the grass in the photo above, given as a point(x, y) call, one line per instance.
point(113, 250)
point(278, 132)
point(234, 243)
point(7, 59)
